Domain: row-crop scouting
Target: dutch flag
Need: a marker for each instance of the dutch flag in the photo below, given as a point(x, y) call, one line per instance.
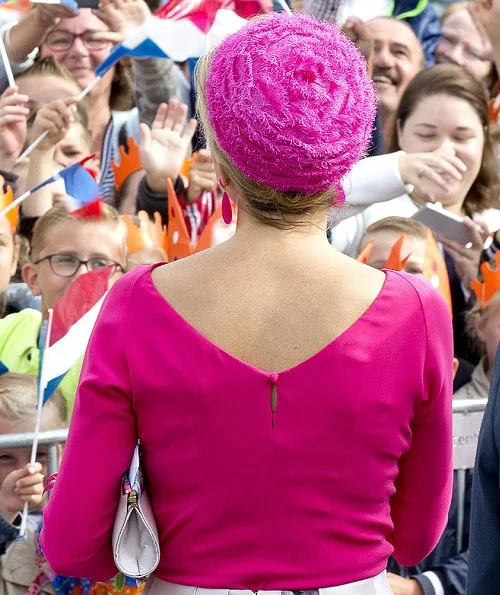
point(70, 325)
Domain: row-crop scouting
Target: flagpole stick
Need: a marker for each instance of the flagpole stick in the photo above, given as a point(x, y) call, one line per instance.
point(88, 88)
point(39, 411)
point(15, 203)
point(43, 136)
point(6, 63)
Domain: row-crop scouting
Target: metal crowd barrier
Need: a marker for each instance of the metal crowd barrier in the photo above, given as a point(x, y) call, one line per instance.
point(467, 418)
point(51, 438)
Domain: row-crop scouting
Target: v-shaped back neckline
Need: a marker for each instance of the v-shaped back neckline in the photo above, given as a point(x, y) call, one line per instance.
point(272, 375)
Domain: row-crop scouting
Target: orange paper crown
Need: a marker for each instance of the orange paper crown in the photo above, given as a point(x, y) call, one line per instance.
point(394, 261)
point(486, 290)
point(6, 198)
point(130, 162)
point(144, 233)
point(435, 270)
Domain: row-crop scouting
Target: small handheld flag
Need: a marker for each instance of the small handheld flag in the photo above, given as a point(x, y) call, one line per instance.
point(69, 327)
point(79, 185)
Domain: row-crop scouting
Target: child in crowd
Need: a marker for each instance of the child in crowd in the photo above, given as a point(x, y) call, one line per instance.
point(63, 248)
point(21, 481)
point(384, 234)
point(67, 142)
point(483, 323)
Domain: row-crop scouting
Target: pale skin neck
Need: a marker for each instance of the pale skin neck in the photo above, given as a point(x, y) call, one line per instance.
point(265, 241)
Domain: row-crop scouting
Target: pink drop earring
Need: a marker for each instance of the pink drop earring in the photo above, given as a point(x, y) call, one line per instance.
point(227, 209)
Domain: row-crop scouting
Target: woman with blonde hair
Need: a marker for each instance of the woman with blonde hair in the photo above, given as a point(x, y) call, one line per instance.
point(284, 445)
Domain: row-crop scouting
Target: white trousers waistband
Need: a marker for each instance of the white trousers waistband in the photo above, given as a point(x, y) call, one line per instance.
point(377, 585)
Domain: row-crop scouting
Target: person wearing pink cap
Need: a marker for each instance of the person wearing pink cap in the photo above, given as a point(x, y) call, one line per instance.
point(314, 439)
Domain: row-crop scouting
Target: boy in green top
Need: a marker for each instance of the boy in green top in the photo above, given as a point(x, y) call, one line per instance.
point(63, 248)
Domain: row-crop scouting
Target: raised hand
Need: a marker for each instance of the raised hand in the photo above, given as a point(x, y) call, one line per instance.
point(164, 146)
point(425, 172)
point(55, 118)
point(123, 16)
point(21, 486)
point(54, 12)
point(13, 117)
point(202, 176)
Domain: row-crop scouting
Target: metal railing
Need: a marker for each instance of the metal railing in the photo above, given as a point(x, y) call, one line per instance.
point(467, 417)
point(52, 439)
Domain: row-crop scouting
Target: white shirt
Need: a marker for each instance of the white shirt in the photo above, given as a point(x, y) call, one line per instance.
point(374, 190)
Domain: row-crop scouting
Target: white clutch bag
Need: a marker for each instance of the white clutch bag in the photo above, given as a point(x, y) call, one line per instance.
point(136, 547)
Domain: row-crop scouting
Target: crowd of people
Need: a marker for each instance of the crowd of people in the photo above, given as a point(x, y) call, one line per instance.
point(160, 144)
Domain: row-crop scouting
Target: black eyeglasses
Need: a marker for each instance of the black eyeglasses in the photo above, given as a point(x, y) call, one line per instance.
point(67, 265)
point(62, 41)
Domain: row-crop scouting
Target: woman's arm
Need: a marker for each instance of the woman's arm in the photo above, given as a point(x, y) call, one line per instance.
point(155, 83)
point(79, 518)
point(419, 507)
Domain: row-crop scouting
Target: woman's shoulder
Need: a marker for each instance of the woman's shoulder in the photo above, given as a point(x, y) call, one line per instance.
point(137, 281)
point(434, 311)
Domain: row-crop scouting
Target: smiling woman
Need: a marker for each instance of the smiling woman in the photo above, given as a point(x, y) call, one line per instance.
point(81, 42)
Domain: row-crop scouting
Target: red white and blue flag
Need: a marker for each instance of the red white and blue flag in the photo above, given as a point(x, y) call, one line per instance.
point(70, 325)
point(178, 32)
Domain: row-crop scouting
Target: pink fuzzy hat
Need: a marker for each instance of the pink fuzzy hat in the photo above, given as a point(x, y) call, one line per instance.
point(290, 102)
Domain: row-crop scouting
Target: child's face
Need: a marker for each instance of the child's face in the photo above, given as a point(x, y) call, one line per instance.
point(74, 147)
point(12, 459)
point(8, 253)
point(383, 242)
point(76, 238)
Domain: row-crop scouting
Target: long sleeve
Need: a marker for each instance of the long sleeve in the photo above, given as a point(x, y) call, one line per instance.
point(156, 82)
point(371, 180)
point(484, 549)
point(79, 518)
point(419, 507)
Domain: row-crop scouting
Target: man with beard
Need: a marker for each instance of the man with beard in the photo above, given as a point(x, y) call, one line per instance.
point(397, 57)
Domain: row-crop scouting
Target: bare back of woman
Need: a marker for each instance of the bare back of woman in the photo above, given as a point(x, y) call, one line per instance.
point(271, 301)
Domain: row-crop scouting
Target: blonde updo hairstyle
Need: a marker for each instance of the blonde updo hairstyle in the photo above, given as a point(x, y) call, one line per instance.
point(284, 210)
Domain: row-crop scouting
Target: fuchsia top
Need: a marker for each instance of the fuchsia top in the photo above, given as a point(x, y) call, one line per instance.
point(314, 499)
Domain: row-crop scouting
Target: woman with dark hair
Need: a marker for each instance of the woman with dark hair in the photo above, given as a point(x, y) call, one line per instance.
point(301, 453)
point(442, 121)
point(80, 43)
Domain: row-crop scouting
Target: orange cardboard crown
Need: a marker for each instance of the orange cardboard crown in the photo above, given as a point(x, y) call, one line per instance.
point(6, 198)
point(491, 284)
point(435, 270)
point(130, 162)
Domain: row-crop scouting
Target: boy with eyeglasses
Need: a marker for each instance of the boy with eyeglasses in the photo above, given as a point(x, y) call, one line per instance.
point(63, 248)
